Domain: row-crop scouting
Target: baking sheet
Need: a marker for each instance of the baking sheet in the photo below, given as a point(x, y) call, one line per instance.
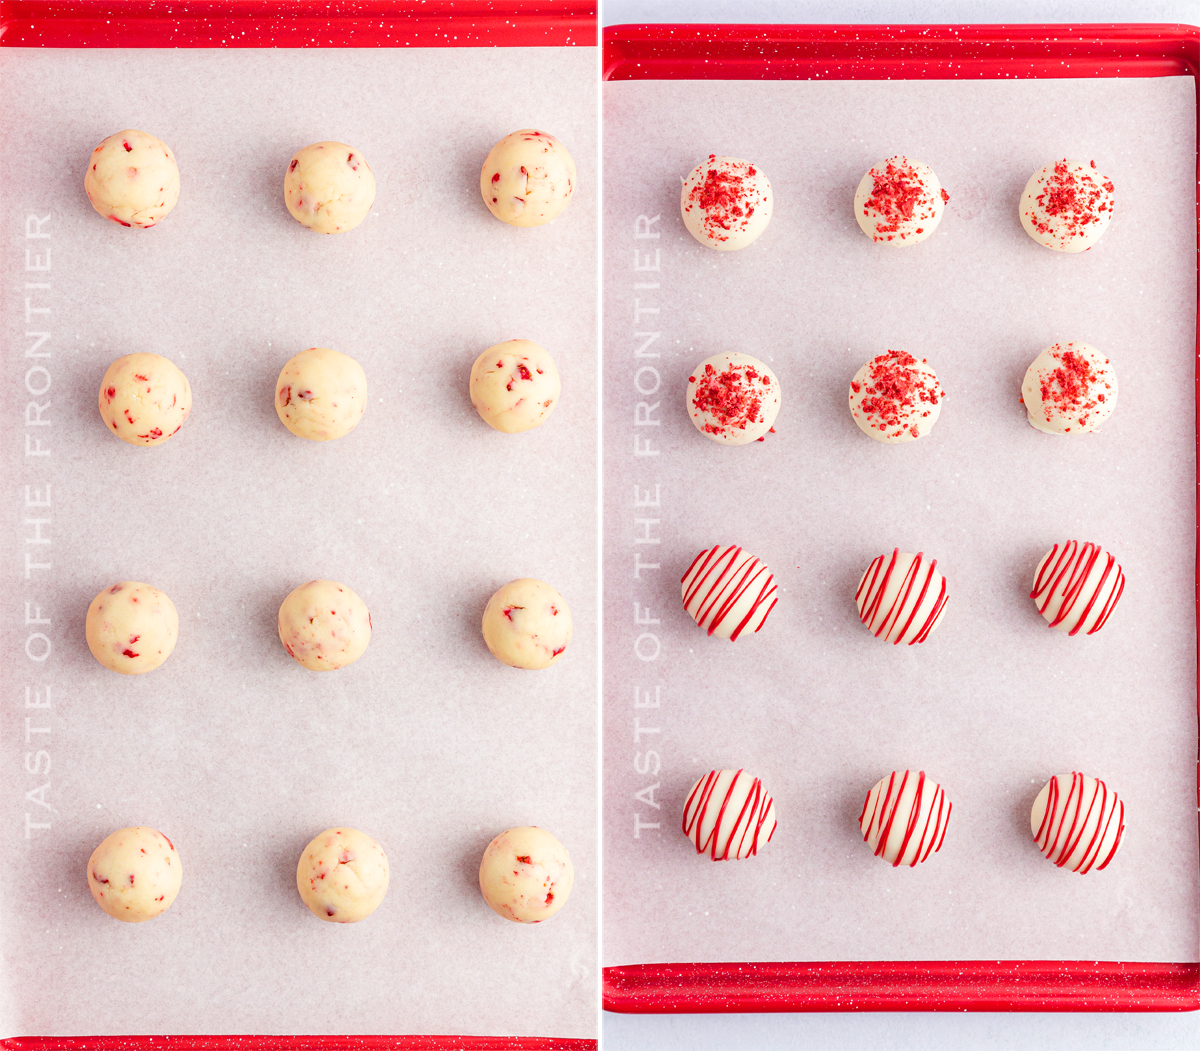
point(994, 703)
point(232, 749)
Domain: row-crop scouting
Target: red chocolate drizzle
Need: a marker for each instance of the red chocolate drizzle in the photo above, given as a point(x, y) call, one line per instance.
point(1066, 822)
point(748, 823)
point(718, 581)
point(1063, 576)
point(908, 601)
point(895, 827)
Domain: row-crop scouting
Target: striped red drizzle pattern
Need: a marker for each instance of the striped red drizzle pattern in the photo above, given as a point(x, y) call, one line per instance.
point(1081, 829)
point(918, 580)
point(726, 590)
point(741, 810)
point(904, 818)
point(1068, 592)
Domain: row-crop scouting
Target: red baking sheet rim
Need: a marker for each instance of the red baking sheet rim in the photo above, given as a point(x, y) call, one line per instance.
point(908, 52)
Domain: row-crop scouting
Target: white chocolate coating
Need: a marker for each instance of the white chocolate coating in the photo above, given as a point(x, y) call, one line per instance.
point(321, 394)
point(514, 386)
point(132, 179)
point(131, 628)
point(899, 202)
point(144, 399)
point(1067, 205)
point(135, 874)
point(528, 178)
point(727, 590)
point(329, 187)
point(901, 597)
point(526, 875)
point(324, 626)
point(729, 815)
point(526, 624)
point(342, 875)
point(733, 398)
point(1077, 586)
point(896, 398)
point(1071, 388)
point(726, 203)
point(904, 817)
point(1077, 822)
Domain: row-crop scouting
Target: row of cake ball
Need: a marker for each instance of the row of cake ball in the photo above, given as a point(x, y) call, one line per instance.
point(132, 178)
point(727, 203)
point(132, 628)
point(1076, 820)
point(734, 399)
point(342, 876)
point(901, 597)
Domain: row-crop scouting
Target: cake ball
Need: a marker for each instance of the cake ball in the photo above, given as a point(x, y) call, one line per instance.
point(896, 398)
point(728, 814)
point(132, 179)
point(727, 590)
point(899, 202)
point(323, 625)
point(342, 875)
point(144, 399)
point(514, 386)
point(321, 394)
point(733, 398)
point(528, 179)
point(329, 187)
point(526, 875)
point(901, 597)
point(1067, 205)
point(526, 624)
point(135, 874)
point(904, 818)
point(1077, 586)
point(726, 203)
point(1077, 822)
point(131, 628)
point(1070, 388)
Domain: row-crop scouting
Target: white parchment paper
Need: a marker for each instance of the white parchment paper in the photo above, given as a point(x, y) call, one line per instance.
point(994, 703)
point(236, 752)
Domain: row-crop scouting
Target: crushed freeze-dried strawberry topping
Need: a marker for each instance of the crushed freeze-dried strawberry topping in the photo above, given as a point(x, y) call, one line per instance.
point(896, 392)
point(727, 197)
point(1073, 388)
point(732, 397)
point(1071, 201)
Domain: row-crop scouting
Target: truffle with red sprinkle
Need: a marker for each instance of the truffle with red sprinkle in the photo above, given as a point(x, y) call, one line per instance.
point(733, 398)
point(896, 398)
point(726, 203)
point(1071, 388)
point(899, 202)
point(1067, 205)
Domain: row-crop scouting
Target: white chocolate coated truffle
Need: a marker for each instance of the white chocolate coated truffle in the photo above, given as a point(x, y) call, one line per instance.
point(514, 386)
point(1077, 822)
point(342, 875)
point(896, 398)
point(528, 178)
point(131, 628)
point(329, 187)
point(526, 624)
point(726, 203)
point(899, 202)
point(321, 394)
point(901, 597)
point(1071, 388)
point(144, 399)
point(324, 626)
point(526, 875)
point(733, 398)
point(132, 179)
point(904, 818)
point(728, 814)
point(135, 874)
point(727, 590)
point(1077, 586)
point(1067, 205)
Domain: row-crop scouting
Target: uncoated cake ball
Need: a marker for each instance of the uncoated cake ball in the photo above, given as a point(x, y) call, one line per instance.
point(329, 187)
point(526, 875)
point(527, 624)
point(144, 399)
point(321, 394)
point(515, 386)
point(324, 626)
point(131, 627)
point(342, 875)
point(528, 178)
point(135, 874)
point(132, 179)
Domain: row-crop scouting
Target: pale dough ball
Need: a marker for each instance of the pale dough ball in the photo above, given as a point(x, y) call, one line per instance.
point(726, 203)
point(514, 386)
point(135, 874)
point(131, 628)
point(144, 399)
point(1071, 388)
point(527, 624)
point(526, 875)
point(1067, 205)
point(321, 394)
point(329, 187)
point(342, 875)
point(132, 179)
point(896, 398)
point(899, 202)
point(324, 625)
point(733, 398)
point(528, 178)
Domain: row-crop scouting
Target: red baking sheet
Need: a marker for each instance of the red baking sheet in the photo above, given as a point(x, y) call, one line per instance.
point(829, 52)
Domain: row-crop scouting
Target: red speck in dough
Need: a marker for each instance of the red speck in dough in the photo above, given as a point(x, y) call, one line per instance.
point(130, 653)
point(110, 393)
point(128, 148)
point(292, 166)
point(495, 178)
point(285, 393)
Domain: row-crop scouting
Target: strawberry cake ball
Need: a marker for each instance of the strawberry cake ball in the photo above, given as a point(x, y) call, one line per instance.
point(729, 815)
point(726, 203)
point(342, 875)
point(132, 179)
point(904, 818)
point(131, 627)
point(1077, 822)
point(528, 178)
point(135, 874)
point(728, 591)
point(514, 386)
point(321, 394)
point(1077, 586)
point(527, 624)
point(733, 398)
point(526, 875)
point(329, 187)
point(1070, 388)
point(1067, 205)
point(144, 399)
point(899, 202)
point(324, 626)
point(896, 398)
